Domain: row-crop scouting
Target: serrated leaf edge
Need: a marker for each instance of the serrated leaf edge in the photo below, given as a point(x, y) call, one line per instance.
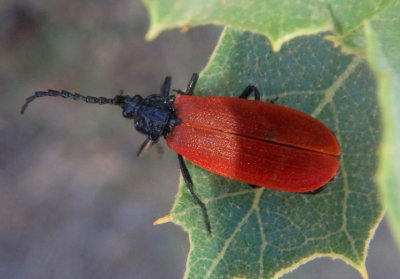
point(360, 267)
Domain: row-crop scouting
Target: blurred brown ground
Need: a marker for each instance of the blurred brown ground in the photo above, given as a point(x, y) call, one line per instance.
point(75, 202)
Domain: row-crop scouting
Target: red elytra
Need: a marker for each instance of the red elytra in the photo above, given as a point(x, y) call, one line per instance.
point(262, 144)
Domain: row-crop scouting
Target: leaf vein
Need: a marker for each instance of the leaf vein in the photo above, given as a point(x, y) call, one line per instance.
point(330, 92)
point(229, 240)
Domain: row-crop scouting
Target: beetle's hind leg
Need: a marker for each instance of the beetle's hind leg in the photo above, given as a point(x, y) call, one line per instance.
point(273, 101)
point(316, 191)
point(189, 185)
point(250, 89)
point(247, 92)
point(322, 188)
point(190, 87)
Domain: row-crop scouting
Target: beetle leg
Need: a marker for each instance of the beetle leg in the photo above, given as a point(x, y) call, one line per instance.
point(189, 185)
point(166, 86)
point(248, 90)
point(320, 189)
point(190, 87)
point(145, 146)
point(316, 191)
point(192, 84)
point(272, 101)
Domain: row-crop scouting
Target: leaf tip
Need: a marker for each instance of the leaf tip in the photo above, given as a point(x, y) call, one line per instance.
point(154, 29)
point(276, 45)
point(163, 220)
point(363, 272)
point(151, 34)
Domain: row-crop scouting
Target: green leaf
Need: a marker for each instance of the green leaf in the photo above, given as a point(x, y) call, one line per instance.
point(369, 29)
point(262, 233)
point(279, 20)
point(383, 51)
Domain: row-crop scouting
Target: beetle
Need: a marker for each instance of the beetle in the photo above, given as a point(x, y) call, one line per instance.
point(259, 143)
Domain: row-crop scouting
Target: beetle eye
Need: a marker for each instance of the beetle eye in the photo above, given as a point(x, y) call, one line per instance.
point(129, 106)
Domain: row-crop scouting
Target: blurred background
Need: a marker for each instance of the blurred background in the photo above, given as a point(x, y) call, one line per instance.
point(75, 202)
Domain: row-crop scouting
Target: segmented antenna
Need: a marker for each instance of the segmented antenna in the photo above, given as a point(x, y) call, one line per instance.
point(68, 95)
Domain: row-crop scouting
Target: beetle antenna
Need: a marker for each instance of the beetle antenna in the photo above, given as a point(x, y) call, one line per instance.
point(67, 95)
